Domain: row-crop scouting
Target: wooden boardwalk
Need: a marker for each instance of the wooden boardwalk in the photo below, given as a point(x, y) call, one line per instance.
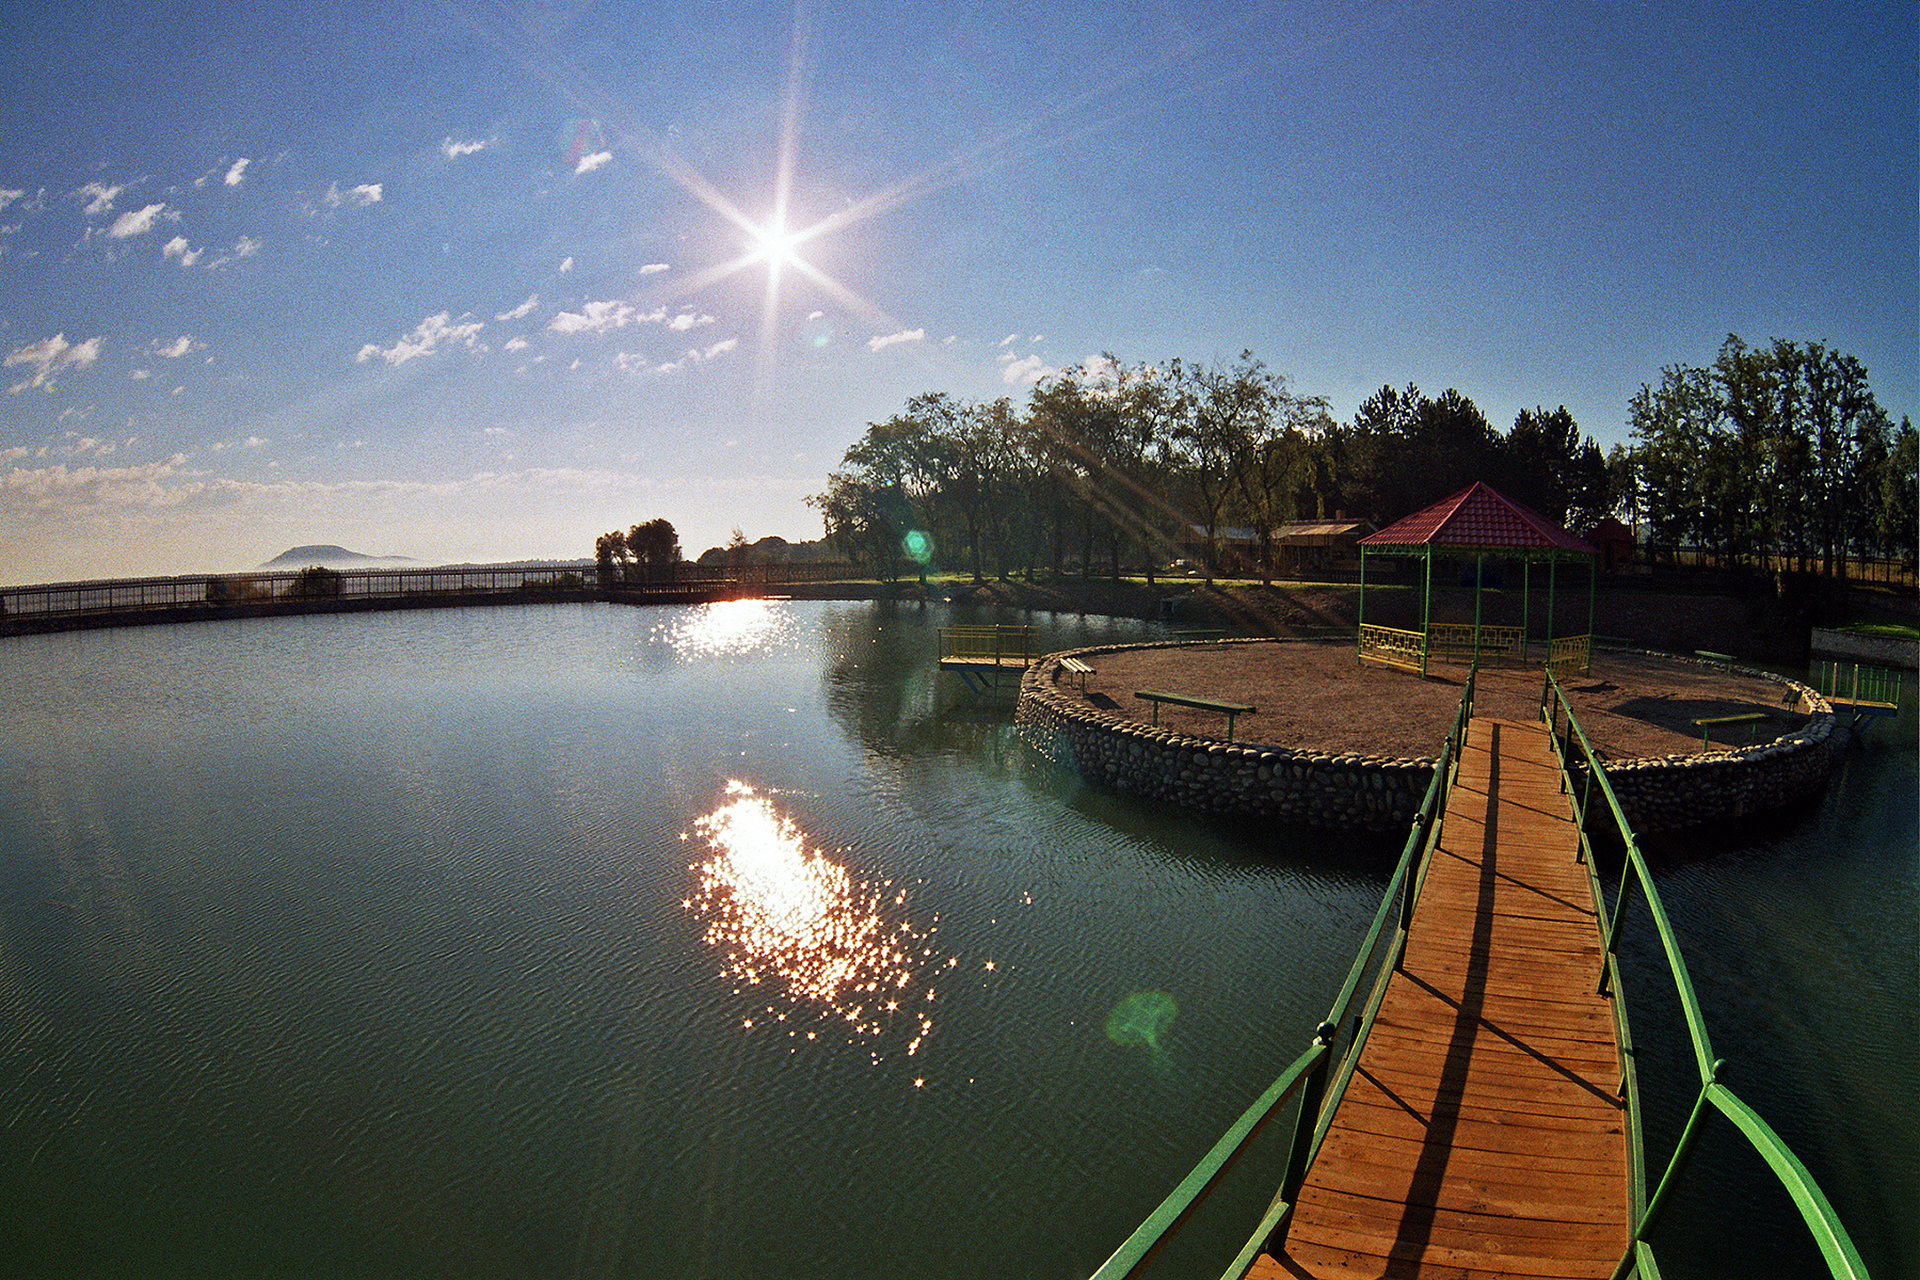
point(1481, 1134)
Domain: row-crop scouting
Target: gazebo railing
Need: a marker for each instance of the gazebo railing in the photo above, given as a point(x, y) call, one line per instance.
point(1463, 640)
point(1570, 654)
point(1405, 649)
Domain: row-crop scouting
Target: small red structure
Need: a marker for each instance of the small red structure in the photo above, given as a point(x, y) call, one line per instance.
point(1615, 543)
point(1475, 521)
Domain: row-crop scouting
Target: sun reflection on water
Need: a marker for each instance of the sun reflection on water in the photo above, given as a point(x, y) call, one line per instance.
point(729, 628)
point(792, 920)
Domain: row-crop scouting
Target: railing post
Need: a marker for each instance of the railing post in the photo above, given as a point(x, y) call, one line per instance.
point(1410, 891)
point(1688, 1135)
point(1304, 1124)
point(1627, 875)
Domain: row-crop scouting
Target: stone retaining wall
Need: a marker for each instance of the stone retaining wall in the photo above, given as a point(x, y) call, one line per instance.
point(1343, 792)
point(1672, 793)
point(1353, 792)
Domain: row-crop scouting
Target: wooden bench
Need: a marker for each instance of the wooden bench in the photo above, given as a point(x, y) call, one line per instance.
point(1705, 726)
point(1231, 709)
point(1075, 667)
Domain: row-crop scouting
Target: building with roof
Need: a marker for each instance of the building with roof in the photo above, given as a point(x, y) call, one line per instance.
point(1473, 524)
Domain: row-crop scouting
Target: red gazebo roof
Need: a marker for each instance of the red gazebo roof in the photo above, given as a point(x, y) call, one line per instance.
point(1479, 518)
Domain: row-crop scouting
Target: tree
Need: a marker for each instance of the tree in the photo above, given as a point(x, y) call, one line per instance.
point(1547, 467)
point(1218, 411)
point(865, 519)
point(1897, 512)
point(609, 550)
point(1082, 428)
point(1270, 452)
point(654, 546)
point(1672, 425)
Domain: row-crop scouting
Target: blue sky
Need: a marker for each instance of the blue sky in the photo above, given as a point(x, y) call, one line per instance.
point(480, 281)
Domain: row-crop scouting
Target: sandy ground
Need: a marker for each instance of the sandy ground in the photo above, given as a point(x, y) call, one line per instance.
point(1311, 694)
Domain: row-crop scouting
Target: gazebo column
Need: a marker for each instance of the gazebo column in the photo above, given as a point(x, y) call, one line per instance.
point(1479, 583)
point(1526, 607)
point(1360, 618)
point(1553, 573)
point(1426, 614)
point(1593, 586)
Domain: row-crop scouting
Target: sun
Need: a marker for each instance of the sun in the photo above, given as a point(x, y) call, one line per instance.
point(775, 245)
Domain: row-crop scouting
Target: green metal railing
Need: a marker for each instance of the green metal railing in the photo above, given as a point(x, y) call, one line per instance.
point(1315, 1076)
point(989, 644)
point(1857, 682)
point(1834, 1243)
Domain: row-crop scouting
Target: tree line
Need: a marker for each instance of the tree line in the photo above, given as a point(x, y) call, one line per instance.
point(1132, 466)
point(1778, 451)
point(1775, 456)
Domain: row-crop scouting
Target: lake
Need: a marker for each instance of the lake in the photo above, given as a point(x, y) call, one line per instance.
point(735, 940)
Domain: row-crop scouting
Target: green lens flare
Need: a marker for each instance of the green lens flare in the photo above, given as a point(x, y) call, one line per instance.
point(1142, 1018)
point(918, 545)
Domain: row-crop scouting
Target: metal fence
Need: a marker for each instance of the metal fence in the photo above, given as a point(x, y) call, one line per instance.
point(50, 601)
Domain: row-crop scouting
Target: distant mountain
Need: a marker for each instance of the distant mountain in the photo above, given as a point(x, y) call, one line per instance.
point(331, 557)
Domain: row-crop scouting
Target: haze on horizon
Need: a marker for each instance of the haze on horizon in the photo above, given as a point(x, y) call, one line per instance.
point(478, 282)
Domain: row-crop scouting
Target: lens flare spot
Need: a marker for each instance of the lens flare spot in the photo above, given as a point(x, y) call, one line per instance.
point(917, 546)
point(1142, 1019)
point(792, 921)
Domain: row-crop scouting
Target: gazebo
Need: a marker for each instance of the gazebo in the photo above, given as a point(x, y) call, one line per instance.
point(1477, 522)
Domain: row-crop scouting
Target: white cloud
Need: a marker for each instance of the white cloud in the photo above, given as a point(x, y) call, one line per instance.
point(100, 197)
point(601, 317)
point(237, 173)
point(46, 357)
point(880, 342)
point(688, 320)
point(180, 346)
point(1008, 341)
point(427, 336)
point(178, 248)
point(8, 195)
point(363, 195)
point(593, 160)
point(517, 344)
point(136, 222)
point(692, 357)
point(496, 431)
point(453, 149)
point(651, 269)
point(1028, 370)
point(520, 311)
point(254, 442)
point(566, 264)
point(139, 375)
point(245, 247)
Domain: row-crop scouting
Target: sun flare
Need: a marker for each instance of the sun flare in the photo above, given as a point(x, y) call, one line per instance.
point(776, 245)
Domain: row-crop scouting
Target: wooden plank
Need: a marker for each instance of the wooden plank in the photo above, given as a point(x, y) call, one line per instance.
point(1482, 1134)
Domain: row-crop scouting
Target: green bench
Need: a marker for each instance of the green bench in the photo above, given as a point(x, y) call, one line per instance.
point(1724, 659)
point(1230, 709)
point(1705, 726)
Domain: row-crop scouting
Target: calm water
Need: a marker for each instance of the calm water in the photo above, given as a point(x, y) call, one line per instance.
point(729, 941)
